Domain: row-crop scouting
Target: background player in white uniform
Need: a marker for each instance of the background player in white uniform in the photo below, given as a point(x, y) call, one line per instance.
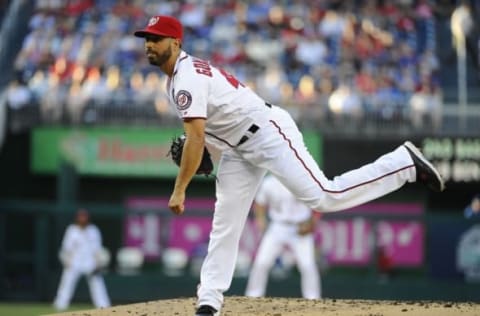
point(81, 254)
point(287, 217)
point(254, 137)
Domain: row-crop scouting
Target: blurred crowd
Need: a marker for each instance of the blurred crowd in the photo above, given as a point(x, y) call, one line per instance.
point(324, 60)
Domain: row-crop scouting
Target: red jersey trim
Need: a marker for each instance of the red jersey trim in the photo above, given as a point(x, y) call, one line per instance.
point(309, 171)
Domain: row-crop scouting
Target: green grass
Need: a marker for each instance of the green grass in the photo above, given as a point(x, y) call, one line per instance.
point(35, 309)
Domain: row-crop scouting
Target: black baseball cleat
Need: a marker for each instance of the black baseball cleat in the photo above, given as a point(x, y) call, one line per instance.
point(426, 172)
point(205, 310)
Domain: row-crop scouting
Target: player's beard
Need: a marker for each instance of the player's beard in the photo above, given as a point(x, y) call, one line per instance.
point(158, 60)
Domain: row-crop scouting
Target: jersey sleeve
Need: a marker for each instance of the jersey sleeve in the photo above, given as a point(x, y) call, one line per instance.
point(190, 95)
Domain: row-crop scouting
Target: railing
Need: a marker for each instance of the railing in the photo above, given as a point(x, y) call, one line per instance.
point(398, 120)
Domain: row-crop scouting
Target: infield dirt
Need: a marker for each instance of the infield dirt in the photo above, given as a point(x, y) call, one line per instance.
point(243, 306)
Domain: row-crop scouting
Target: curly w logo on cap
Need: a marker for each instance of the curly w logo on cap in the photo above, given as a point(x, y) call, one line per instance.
point(153, 20)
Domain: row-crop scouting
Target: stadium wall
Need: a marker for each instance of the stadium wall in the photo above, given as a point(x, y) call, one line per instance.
point(35, 209)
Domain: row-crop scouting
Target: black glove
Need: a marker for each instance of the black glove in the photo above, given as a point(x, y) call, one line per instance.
point(176, 150)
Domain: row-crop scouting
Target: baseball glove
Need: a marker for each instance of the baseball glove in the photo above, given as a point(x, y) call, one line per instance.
point(306, 227)
point(176, 151)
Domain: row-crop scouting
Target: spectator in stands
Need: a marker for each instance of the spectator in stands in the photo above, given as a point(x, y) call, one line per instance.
point(38, 84)
point(389, 11)
point(20, 106)
point(428, 63)
point(325, 89)
point(268, 82)
point(365, 79)
point(18, 95)
point(52, 98)
point(333, 24)
point(345, 102)
point(261, 50)
point(406, 25)
point(193, 15)
point(311, 51)
point(406, 80)
point(473, 208)
point(96, 86)
point(49, 4)
point(246, 36)
point(426, 106)
point(387, 99)
point(75, 103)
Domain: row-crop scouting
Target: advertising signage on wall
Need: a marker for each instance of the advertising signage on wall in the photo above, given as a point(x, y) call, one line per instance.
point(457, 159)
point(342, 241)
point(349, 241)
point(106, 151)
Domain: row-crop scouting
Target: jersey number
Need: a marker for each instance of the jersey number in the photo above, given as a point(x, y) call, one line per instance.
point(230, 78)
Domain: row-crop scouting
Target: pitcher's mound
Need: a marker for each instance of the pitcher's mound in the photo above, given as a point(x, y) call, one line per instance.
point(243, 306)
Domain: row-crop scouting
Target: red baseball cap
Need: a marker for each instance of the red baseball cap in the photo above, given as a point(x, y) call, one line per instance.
point(162, 25)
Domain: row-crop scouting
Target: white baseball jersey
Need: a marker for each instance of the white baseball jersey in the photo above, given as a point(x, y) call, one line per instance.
point(82, 246)
point(282, 205)
point(200, 90)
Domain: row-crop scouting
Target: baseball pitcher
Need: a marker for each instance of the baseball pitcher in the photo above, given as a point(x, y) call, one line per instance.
point(254, 137)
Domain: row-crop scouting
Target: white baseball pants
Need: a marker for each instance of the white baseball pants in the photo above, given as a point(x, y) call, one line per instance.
point(279, 148)
point(67, 285)
point(276, 237)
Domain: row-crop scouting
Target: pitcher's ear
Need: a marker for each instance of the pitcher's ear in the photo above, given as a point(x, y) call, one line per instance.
point(178, 42)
